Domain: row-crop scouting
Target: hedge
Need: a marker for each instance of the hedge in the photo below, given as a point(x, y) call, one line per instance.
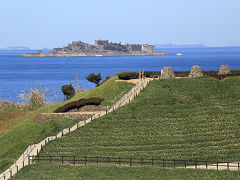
point(78, 104)
point(126, 75)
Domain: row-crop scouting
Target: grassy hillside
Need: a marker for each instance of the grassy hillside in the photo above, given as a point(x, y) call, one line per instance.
point(14, 141)
point(64, 172)
point(172, 119)
point(110, 91)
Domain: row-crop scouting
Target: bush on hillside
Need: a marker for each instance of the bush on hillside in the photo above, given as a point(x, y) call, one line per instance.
point(135, 74)
point(128, 75)
point(78, 104)
point(68, 91)
point(94, 78)
point(37, 96)
point(222, 76)
point(151, 73)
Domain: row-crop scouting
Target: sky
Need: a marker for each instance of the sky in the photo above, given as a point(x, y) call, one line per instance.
point(55, 23)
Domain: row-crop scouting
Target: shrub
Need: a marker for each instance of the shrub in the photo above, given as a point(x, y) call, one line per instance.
point(151, 73)
point(128, 75)
point(94, 78)
point(37, 96)
point(78, 104)
point(68, 91)
point(134, 74)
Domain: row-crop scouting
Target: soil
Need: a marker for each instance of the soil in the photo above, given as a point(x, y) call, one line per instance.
point(91, 108)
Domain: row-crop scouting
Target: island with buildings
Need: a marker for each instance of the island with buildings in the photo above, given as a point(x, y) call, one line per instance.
point(101, 48)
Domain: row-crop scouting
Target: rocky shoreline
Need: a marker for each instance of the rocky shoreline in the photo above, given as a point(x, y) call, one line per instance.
point(92, 55)
point(101, 48)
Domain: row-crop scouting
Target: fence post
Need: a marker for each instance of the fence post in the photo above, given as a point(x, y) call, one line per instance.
point(130, 161)
point(91, 118)
point(28, 160)
point(163, 161)
point(74, 160)
point(62, 159)
point(17, 169)
point(77, 125)
point(185, 164)
point(152, 161)
point(23, 164)
point(238, 166)
point(174, 163)
point(62, 132)
point(85, 160)
point(68, 130)
point(10, 173)
point(228, 165)
point(217, 165)
point(119, 161)
point(50, 158)
point(141, 161)
point(97, 159)
point(206, 164)
point(108, 160)
point(38, 159)
point(195, 164)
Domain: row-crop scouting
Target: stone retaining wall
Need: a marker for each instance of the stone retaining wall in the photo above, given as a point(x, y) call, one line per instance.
point(43, 117)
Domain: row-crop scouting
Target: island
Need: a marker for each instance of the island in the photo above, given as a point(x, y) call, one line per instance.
point(101, 48)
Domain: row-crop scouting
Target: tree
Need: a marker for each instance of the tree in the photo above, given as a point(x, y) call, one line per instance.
point(68, 91)
point(94, 78)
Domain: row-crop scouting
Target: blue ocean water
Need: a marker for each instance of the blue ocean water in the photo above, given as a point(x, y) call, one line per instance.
point(18, 73)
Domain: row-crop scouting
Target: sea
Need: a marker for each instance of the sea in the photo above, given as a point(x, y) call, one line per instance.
point(20, 73)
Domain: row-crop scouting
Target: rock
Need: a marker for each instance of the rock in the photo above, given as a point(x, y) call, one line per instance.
point(167, 73)
point(224, 69)
point(196, 72)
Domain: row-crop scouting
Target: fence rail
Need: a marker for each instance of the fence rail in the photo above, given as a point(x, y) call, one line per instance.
point(164, 163)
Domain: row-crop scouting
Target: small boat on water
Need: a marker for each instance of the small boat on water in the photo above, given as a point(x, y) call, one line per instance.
point(179, 54)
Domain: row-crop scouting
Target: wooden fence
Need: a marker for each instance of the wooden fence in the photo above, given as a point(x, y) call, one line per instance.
point(163, 163)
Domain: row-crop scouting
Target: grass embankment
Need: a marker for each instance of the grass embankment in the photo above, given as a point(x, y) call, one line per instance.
point(14, 141)
point(48, 171)
point(172, 119)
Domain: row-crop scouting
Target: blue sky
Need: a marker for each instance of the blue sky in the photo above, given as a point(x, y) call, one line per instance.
point(54, 23)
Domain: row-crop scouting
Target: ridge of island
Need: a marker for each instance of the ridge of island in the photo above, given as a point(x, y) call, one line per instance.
point(101, 48)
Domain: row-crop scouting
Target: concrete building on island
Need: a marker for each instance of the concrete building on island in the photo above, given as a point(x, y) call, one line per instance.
point(100, 48)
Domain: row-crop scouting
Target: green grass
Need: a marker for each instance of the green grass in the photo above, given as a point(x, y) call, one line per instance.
point(172, 119)
point(110, 91)
point(64, 172)
point(14, 141)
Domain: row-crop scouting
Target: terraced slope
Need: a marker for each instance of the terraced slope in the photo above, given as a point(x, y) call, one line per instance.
point(173, 119)
point(14, 142)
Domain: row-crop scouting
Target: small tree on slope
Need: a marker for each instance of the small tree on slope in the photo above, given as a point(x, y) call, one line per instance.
point(94, 78)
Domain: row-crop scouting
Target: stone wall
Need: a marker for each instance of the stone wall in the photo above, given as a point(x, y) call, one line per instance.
point(167, 72)
point(196, 71)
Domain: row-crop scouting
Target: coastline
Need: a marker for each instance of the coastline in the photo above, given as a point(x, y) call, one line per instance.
point(91, 55)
